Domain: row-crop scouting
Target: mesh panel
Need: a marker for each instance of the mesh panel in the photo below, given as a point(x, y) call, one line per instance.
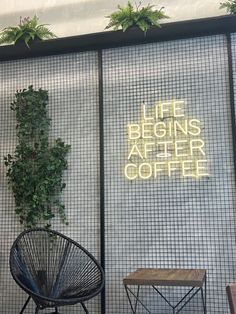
point(72, 82)
point(169, 222)
point(163, 222)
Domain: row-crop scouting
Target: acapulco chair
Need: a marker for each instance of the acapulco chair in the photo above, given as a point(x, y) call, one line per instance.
point(54, 270)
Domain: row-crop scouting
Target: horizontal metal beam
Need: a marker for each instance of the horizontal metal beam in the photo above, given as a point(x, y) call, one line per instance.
point(109, 39)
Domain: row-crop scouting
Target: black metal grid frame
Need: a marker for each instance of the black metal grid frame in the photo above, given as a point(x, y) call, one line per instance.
point(105, 40)
point(165, 222)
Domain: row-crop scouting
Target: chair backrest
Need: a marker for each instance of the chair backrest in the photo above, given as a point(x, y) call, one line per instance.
point(49, 264)
point(231, 293)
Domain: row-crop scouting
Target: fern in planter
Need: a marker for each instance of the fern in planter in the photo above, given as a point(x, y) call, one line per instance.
point(129, 16)
point(27, 31)
point(35, 170)
point(230, 6)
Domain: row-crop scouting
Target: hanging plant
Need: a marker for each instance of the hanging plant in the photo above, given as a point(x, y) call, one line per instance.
point(230, 6)
point(142, 17)
point(27, 31)
point(35, 170)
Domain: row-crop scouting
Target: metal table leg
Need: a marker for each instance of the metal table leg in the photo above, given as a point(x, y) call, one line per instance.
point(204, 296)
point(137, 300)
point(175, 308)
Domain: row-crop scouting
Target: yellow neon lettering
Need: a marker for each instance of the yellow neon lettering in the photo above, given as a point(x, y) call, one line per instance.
point(163, 134)
point(164, 108)
point(148, 147)
point(134, 131)
point(179, 128)
point(177, 108)
point(146, 130)
point(160, 131)
point(127, 175)
point(186, 166)
point(194, 124)
point(157, 112)
point(200, 168)
point(170, 129)
point(142, 170)
point(144, 114)
point(165, 153)
point(135, 152)
point(170, 168)
point(157, 169)
point(179, 148)
point(197, 145)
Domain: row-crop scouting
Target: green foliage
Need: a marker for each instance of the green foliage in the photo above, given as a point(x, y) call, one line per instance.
point(230, 6)
point(143, 18)
point(35, 170)
point(27, 31)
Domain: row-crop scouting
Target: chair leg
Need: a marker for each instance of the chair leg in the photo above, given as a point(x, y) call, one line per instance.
point(84, 307)
point(25, 305)
point(36, 310)
point(56, 311)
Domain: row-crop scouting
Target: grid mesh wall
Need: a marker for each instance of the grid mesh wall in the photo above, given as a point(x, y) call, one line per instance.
point(169, 222)
point(233, 50)
point(72, 82)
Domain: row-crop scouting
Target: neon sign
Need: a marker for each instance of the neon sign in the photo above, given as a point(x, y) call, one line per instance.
point(165, 142)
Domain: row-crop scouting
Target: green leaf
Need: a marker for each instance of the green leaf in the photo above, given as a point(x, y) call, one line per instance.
point(35, 170)
point(143, 17)
point(230, 6)
point(28, 30)
point(27, 39)
point(126, 24)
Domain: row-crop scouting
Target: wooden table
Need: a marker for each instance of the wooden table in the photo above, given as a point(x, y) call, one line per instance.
point(231, 292)
point(195, 279)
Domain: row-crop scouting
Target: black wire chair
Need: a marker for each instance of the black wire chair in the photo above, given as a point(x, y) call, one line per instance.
point(54, 270)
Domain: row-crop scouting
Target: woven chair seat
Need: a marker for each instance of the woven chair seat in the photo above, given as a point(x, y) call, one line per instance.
point(53, 269)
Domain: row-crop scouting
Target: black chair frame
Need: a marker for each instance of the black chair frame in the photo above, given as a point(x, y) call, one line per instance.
point(39, 299)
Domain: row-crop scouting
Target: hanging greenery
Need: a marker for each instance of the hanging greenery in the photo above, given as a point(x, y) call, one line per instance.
point(27, 31)
point(35, 171)
point(230, 6)
point(142, 17)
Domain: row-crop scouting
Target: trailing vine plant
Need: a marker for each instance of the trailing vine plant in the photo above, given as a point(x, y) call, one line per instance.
point(35, 170)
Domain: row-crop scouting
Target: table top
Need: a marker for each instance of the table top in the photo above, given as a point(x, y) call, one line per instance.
point(166, 277)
